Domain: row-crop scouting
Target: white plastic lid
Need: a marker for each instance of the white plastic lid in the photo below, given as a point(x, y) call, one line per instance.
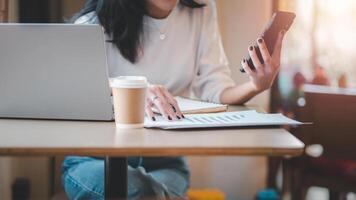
point(129, 82)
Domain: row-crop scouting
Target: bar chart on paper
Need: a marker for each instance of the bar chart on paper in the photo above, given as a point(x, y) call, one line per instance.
point(225, 119)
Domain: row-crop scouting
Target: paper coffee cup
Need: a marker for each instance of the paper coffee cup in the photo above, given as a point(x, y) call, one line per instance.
point(129, 98)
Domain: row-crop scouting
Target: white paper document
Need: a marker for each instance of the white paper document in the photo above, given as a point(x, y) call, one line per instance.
point(225, 119)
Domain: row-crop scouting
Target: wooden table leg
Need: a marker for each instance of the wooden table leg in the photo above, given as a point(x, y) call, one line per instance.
point(116, 178)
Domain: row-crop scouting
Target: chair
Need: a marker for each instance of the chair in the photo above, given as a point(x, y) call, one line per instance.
point(333, 113)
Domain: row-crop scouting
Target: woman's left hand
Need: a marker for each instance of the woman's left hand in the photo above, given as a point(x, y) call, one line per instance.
point(263, 76)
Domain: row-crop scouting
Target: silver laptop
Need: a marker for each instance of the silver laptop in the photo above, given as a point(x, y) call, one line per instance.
point(54, 71)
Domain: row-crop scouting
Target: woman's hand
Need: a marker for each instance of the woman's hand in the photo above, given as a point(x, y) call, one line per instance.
point(164, 102)
point(263, 76)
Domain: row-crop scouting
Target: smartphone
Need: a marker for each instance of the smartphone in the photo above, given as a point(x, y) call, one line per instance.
point(280, 21)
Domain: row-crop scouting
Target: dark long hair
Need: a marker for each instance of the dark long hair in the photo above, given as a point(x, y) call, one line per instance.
point(123, 21)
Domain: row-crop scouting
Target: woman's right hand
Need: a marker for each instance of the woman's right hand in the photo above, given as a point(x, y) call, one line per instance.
point(164, 102)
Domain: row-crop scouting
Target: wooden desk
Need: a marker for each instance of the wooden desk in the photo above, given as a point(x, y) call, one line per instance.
point(49, 138)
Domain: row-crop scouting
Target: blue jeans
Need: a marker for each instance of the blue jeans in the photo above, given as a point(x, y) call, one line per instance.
point(154, 178)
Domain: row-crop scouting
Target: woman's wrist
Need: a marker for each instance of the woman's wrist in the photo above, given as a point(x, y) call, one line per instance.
point(254, 88)
point(239, 94)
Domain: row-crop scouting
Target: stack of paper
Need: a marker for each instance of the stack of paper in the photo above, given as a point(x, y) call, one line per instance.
point(225, 119)
point(189, 106)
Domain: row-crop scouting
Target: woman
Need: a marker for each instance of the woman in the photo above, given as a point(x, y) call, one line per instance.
point(177, 46)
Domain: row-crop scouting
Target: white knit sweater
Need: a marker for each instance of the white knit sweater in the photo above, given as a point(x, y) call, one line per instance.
point(189, 61)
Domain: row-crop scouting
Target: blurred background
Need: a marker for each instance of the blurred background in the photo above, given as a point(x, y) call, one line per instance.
point(319, 48)
point(318, 51)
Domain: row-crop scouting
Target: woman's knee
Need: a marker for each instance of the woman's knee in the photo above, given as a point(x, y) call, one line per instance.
point(85, 179)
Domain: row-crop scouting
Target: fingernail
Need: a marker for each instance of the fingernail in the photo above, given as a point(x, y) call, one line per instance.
point(183, 116)
point(174, 109)
point(251, 48)
point(170, 118)
point(244, 60)
point(153, 119)
point(178, 117)
point(260, 40)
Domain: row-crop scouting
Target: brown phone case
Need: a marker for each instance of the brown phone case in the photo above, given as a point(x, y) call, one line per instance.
point(279, 21)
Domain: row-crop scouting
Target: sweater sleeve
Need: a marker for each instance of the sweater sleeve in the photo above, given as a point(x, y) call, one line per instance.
point(213, 74)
